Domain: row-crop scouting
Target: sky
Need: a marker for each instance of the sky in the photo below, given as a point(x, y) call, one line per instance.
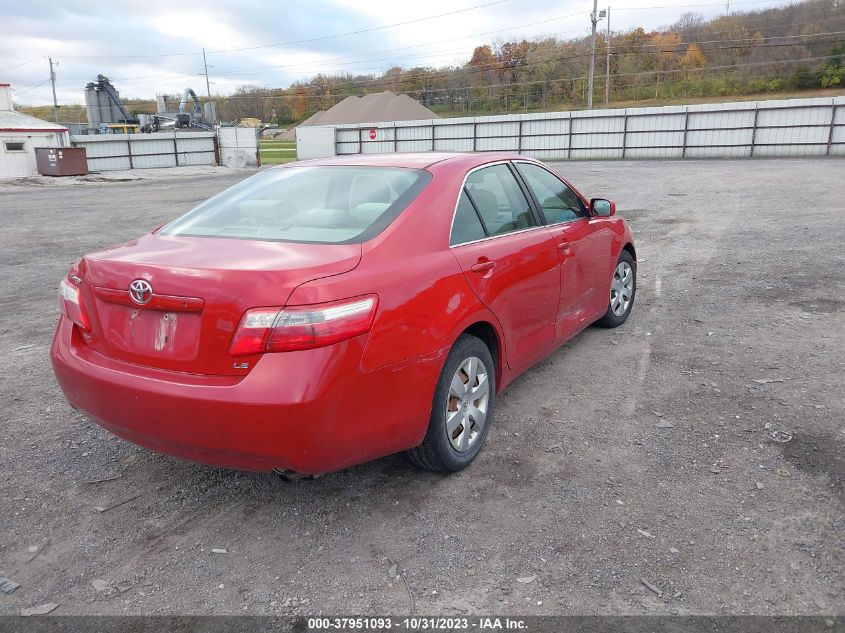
point(152, 47)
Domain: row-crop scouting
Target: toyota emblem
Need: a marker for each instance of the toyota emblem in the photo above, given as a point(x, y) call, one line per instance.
point(140, 291)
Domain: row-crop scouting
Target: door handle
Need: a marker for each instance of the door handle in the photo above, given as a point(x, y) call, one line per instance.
point(483, 267)
point(565, 248)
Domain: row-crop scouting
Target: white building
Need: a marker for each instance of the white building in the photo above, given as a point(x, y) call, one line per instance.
point(21, 134)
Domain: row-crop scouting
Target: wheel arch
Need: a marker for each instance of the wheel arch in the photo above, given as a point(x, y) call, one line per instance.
point(630, 248)
point(488, 333)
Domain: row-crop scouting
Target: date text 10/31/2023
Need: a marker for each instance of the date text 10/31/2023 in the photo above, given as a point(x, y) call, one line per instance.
point(419, 623)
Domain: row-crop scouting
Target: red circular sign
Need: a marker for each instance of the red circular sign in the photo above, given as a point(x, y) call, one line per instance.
point(372, 135)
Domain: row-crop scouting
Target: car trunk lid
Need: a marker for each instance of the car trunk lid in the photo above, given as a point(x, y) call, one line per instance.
point(193, 292)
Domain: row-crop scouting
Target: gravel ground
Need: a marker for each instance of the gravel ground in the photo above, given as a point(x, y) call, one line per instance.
point(124, 175)
point(639, 454)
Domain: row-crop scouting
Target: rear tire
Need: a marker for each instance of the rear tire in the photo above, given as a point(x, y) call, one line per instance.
point(623, 289)
point(462, 408)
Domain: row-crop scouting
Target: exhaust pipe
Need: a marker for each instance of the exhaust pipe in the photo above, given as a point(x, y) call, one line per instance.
point(290, 475)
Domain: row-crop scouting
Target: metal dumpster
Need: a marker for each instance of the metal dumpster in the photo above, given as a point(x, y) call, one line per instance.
point(61, 161)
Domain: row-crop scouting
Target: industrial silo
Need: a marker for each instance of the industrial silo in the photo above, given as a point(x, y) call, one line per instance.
point(210, 112)
point(92, 106)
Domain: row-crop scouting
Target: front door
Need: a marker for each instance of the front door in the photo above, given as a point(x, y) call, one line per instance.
point(584, 245)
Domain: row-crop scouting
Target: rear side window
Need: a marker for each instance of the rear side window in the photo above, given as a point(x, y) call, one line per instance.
point(499, 200)
point(318, 204)
point(558, 203)
point(467, 226)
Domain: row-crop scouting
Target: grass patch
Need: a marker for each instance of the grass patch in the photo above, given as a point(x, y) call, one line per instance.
point(275, 152)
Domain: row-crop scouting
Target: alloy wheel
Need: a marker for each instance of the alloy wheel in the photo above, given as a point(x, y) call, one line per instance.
point(622, 288)
point(466, 404)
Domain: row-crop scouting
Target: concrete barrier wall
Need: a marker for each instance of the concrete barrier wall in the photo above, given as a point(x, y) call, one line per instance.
point(791, 127)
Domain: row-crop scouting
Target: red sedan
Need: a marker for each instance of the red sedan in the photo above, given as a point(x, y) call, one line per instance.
point(326, 313)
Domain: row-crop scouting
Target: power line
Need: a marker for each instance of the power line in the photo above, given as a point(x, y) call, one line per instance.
point(21, 64)
point(241, 70)
point(38, 85)
point(260, 70)
point(754, 39)
point(549, 81)
point(617, 86)
point(673, 70)
point(372, 82)
point(692, 6)
point(621, 48)
point(378, 28)
point(360, 31)
point(767, 27)
point(390, 50)
point(147, 56)
point(270, 68)
point(292, 42)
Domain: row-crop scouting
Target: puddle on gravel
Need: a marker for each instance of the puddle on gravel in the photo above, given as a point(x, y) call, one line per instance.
point(819, 455)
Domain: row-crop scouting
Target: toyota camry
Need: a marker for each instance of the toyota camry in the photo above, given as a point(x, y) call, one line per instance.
point(325, 313)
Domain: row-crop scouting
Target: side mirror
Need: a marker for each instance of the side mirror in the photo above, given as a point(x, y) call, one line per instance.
point(602, 208)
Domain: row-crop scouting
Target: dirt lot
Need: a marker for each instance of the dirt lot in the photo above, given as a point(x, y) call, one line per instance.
point(636, 454)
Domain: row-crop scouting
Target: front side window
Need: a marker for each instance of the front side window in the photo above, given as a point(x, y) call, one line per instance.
point(558, 203)
point(318, 204)
point(499, 200)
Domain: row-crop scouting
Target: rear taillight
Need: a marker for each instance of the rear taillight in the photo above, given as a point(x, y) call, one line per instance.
point(303, 327)
point(70, 303)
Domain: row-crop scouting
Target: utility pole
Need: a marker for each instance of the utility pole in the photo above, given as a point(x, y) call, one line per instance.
point(593, 19)
point(53, 81)
point(205, 64)
point(607, 72)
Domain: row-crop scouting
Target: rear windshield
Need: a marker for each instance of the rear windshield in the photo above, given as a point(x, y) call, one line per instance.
point(331, 205)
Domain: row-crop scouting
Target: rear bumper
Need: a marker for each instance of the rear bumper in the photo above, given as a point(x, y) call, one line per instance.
point(311, 412)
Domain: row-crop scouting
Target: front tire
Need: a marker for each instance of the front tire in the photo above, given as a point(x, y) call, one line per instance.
point(462, 408)
point(623, 289)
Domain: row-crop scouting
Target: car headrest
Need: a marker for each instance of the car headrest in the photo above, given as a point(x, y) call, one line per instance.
point(368, 212)
point(488, 205)
point(370, 189)
point(553, 202)
point(267, 212)
point(322, 218)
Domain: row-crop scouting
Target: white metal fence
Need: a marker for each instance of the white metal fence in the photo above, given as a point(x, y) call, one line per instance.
point(139, 151)
point(238, 146)
point(793, 127)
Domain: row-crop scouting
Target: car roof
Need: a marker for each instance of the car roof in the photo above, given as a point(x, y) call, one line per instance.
point(415, 160)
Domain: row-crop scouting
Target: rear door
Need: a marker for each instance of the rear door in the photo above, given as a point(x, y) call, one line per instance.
point(583, 244)
point(508, 258)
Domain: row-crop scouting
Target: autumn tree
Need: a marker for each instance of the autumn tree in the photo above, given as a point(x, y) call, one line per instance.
point(666, 55)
